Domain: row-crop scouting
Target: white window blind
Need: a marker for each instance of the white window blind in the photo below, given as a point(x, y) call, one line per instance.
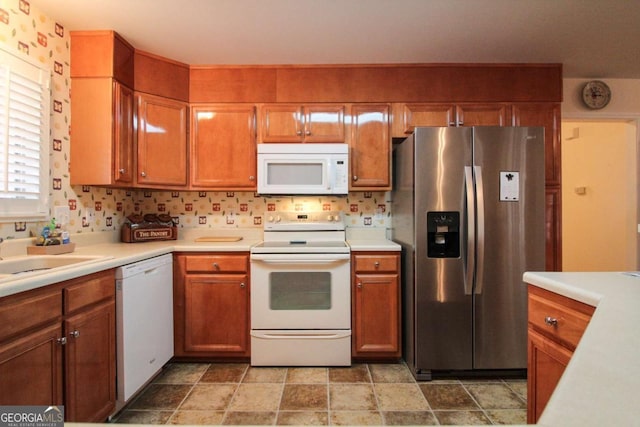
point(24, 139)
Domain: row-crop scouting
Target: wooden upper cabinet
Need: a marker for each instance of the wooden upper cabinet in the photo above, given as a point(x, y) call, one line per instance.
point(281, 123)
point(370, 144)
point(162, 142)
point(102, 119)
point(223, 147)
point(547, 115)
point(324, 123)
point(302, 123)
point(408, 116)
point(494, 114)
point(101, 54)
point(124, 118)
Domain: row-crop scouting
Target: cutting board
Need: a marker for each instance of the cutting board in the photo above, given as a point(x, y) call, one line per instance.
point(218, 239)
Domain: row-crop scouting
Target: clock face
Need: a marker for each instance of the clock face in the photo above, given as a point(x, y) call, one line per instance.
point(596, 94)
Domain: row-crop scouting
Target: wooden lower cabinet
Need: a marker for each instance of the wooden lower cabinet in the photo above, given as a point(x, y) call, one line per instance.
point(31, 368)
point(556, 324)
point(66, 357)
point(547, 361)
point(211, 306)
point(90, 363)
point(375, 306)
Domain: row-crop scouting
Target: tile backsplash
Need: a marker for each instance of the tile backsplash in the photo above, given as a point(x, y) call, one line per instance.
point(27, 31)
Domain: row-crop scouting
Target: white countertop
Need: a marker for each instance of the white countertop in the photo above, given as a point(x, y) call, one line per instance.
point(370, 239)
point(117, 254)
point(601, 384)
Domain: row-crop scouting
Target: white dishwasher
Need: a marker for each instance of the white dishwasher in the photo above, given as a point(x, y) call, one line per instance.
point(144, 322)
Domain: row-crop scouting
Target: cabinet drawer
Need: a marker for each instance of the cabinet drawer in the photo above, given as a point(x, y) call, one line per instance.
point(375, 263)
point(18, 314)
point(88, 290)
point(559, 318)
point(216, 263)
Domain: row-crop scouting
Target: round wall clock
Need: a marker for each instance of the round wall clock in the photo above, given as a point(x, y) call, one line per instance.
point(596, 94)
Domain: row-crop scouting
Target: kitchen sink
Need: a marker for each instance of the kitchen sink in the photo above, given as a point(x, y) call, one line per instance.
point(19, 267)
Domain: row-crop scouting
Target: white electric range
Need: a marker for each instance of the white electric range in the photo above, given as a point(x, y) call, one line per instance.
point(300, 291)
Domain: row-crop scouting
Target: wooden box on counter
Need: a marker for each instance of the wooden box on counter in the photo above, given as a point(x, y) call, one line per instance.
point(51, 249)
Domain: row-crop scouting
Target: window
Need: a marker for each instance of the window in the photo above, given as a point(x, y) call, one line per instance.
point(24, 139)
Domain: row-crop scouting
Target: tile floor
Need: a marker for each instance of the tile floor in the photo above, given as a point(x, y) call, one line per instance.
point(363, 394)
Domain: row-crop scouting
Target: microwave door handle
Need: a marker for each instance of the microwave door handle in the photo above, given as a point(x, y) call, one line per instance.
point(329, 174)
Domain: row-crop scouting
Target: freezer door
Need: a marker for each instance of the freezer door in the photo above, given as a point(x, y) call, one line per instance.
point(442, 293)
point(509, 175)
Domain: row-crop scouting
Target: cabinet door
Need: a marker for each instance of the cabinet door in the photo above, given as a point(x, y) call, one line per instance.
point(216, 313)
point(223, 147)
point(547, 115)
point(547, 361)
point(324, 123)
point(102, 132)
point(483, 115)
point(90, 362)
point(370, 147)
point(123, 139)
point(414, 115)
point(31, 369)
point(281, 123)
point(162, 142)
point(376, 316)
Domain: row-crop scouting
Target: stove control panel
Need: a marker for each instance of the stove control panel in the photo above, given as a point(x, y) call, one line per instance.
point(308, 220)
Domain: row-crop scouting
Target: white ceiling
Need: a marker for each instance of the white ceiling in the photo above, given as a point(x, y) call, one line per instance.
point(592, 38)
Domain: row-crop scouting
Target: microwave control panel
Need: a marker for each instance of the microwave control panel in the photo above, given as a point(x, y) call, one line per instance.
point(341, 174)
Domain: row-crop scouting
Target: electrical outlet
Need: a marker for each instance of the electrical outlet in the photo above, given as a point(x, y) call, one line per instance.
point(90, 215)
point(61, 214)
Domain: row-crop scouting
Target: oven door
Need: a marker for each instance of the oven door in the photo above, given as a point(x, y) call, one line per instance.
point(300, 291)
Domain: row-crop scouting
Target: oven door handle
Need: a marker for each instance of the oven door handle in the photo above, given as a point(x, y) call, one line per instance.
point(287, 259)
point(301, 336)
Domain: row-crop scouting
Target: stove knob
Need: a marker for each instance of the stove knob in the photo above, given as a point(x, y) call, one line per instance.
point(330, 218)
point(337, 218)
point(270, 219)
point(278, 219)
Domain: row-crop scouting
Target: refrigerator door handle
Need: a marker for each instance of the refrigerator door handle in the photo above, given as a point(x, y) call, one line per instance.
point(471, 226)
point(480, 231)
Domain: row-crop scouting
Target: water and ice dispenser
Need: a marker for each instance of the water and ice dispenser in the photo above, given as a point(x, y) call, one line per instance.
point(443, 234)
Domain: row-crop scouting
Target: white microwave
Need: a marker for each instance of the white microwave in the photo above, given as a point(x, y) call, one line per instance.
point(303, 169)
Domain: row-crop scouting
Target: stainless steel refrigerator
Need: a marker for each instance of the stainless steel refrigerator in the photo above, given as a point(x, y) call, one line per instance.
point(468, 209)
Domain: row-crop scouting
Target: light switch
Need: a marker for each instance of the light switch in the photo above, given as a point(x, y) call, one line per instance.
point(61, 214)
point(581, 191)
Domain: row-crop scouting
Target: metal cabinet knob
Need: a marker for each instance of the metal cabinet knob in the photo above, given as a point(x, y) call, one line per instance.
point(242, 285)
point(143, 174)
point(299, 133)
point(122, 171)
point(376, 264)
point(62, 341)
point(308, 133)
point(551, 321)
point(75, 334)
point(216, 266)
point(252, 178)
point(355, 177)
